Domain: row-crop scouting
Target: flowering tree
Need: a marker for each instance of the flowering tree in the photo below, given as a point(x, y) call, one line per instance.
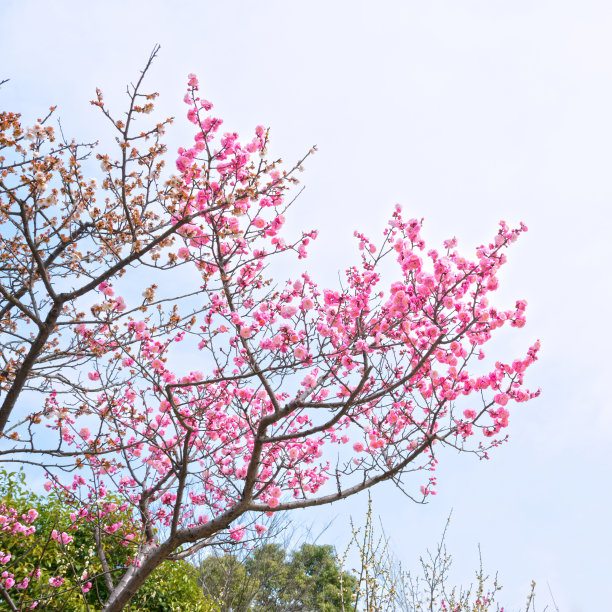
point(183, 388)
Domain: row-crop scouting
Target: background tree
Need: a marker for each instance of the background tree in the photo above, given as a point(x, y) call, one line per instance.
point(267, 579)
point(303, 396)
point(383, 584)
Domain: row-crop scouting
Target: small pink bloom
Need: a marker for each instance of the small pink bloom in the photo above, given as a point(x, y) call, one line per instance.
point(294, 453)
point(94, 376)
point(358, 447)
point(105, 288)
point(120, 304)
point(300, 353)
point(309, 381)
point(287, 311)
point(492, 283)
point(157, 365)
point(23, 584)
point(501, 399)
point(307, 304)
point(237, 533)
point(85, 433)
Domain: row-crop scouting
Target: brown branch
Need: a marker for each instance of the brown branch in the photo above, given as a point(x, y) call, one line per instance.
point(26, 366)
point(102, 556)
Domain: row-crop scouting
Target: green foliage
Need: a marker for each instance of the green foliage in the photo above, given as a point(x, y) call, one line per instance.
point(226, 579)
point(39, 551)
point(269, 580)
point(172, 587)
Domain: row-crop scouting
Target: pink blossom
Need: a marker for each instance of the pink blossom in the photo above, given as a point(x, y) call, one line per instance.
point(93, 376)
point(501, 399)
point(157, 365)
point(287, 311)
point(237, 533)
point(300, 353)
point(307, 304)
point(23, 584)
point(309, 381)
point(106, 289)
point(294, 453)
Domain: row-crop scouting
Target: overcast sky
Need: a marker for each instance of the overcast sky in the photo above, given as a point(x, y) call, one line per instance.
point(465, 112)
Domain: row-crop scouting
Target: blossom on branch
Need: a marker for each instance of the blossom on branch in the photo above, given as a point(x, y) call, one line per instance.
point(196, 413)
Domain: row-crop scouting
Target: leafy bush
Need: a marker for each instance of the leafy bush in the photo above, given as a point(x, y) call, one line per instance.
point(64, 546)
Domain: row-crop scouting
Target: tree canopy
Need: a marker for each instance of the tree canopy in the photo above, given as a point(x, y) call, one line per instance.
point(173, 392)
point(269, 580)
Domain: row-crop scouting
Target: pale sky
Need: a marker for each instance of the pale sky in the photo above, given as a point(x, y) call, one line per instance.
point(465, 112)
